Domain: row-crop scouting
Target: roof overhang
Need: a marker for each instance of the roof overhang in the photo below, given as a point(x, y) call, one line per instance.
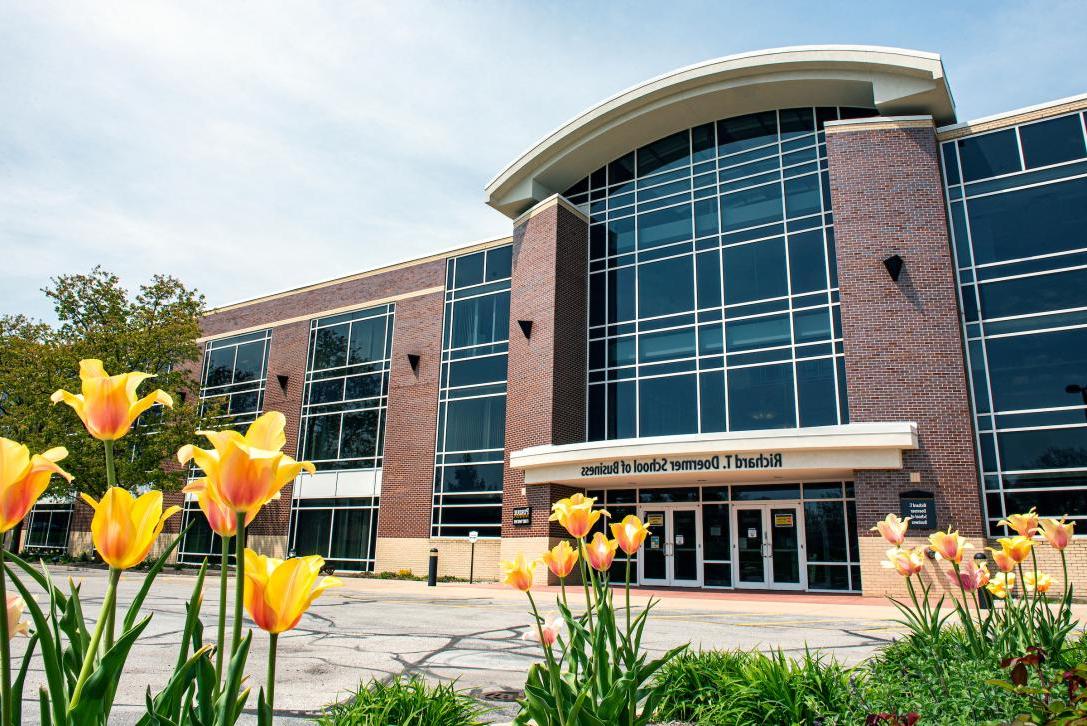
point(893, 81)
point(818, 452)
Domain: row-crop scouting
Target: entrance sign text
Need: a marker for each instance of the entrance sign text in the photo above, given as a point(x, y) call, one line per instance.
point(664, 465)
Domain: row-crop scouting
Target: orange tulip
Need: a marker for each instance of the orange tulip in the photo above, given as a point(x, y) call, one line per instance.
point(576, 514)
point(1059, 534)
point(278, 592)
point(1001, 584)
point(948, 545)
point(970, 577)
point(518, 572)
point(221, 518)
point(893, 529)
point(16, 626)
point(600, 552)
point(124, 528)
point(560, 559)
point(549, 629)
point(246, 472)
point(905, 562)
point(108, 405)
point(1017, 548)
point(630, 533)
point(23, 478)
point(1025, 525)
point(1003, 560)
point(1041, 582)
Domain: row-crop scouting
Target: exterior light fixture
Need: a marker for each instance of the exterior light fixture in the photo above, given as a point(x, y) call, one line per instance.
point(413, 361)
point(894, 266)
point(282, 378)
point(526, 327)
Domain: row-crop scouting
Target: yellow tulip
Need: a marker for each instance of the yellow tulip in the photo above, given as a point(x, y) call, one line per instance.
point(948, 545)
point(221, 518)
point(124, 528)
point(1025, 525)
point(1001, 584)
point(893, 529)
point(16, 626)
point(246, 472)
point(630, 533)
point(576, 514)
point(278, 592)
point(1040, 582)
point(560, 559)
point(905, 562)
point(1058, 534)
point(600, 552)
point(518, 572)
point(1003, 560)
point(23, 478)
point(108, 405)
point(1017, 548)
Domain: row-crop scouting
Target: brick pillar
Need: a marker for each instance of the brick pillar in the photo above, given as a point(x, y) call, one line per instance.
point(904, 355)
point(546, 389)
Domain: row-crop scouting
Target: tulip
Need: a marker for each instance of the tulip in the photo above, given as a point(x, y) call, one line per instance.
point(518, 572)
point(1017, 548)
point(1040, 582)
point(108, 405)
point(1003, 560)
point(221, 518)
point(600, 552)
point(906, 562)
point(560, 559)
point(124, 527)
point(1026, 525)
point(1001, 584)
point(576, 514)
point(15, 612)
point(893, 529)
point(23, 478)
point(948, 545)
point(547, 632)
point(970, 577)
point(1058, 534)
point(246, 472)
point(630, 533)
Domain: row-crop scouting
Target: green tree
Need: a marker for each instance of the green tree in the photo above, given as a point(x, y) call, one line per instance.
point(153, 330)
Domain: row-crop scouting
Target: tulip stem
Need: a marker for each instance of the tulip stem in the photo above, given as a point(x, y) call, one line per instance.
point(5, 649)
point(239, 583)
point(223, 570)
point(92, 650)
point(273, 641)
point(111, 469)
point(552, 667)
point(111, 481)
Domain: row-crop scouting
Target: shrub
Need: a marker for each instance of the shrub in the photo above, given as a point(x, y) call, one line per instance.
point(404, 702)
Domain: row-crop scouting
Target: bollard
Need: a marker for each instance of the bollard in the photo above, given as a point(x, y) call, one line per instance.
point(432, 569)
point(985, 598)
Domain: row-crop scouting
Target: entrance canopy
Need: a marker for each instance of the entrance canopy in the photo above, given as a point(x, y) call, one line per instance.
point(820, 452)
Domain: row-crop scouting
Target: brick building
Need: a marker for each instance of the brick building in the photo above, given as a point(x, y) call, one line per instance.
point(760, 301)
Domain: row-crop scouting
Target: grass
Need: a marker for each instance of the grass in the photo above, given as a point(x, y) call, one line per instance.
point(404, 701)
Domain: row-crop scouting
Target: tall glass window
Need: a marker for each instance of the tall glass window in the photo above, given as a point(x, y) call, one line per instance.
point(472, 398)
point(234, 376)
point(1018, 207)
point(343, 530)
point(347, 389)
point(47, 526)
point(713, 290)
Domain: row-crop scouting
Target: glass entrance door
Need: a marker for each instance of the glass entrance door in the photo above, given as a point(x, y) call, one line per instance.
point(672, 553)
point(767, 546)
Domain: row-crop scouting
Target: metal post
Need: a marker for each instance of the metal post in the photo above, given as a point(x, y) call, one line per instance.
point(472, 564)
point(432, 570)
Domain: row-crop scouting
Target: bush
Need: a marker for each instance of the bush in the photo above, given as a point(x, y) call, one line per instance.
point(740, 687)
point(405, 702)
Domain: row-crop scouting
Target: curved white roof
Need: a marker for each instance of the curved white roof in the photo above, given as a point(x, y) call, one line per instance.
point(892, 80)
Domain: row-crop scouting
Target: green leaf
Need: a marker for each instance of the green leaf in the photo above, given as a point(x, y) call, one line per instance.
point(96, 698)
point(44, 706)
point(57, 695)
point(168, 703)
point(152, 573)
point(228, 702)
point(20, 680)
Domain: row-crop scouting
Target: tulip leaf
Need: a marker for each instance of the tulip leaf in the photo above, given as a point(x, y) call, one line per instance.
point(228, 704)
point(168, 702)
point(192, 614)
point(43, 706)
point(149, 578)
point(56, 697)
point(264, 710)
point(103, 679)
point(34, 573)
point(20, 680)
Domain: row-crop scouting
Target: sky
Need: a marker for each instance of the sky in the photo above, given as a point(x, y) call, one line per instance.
point(251, 147)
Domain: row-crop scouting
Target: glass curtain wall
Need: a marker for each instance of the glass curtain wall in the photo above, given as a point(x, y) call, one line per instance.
point(713, 291)
point(343, 530)
point(472, 398)
point(47, 526)
point(1018, 211)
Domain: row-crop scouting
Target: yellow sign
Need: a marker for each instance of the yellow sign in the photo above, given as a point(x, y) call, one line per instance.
point(783, 520)
point(655, 520)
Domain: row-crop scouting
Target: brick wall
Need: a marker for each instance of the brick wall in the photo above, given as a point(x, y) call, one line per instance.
point(903, 343)
point(546, 389)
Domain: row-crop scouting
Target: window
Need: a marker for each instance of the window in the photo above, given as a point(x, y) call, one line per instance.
point(989, 155)
point(711, 255)
point(200, 541)
point(234, 376)
point(47, 526)
point(346, 389)
point(472, 397)
point(343, 530)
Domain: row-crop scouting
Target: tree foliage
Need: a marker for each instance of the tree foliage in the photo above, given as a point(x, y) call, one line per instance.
point(154, 330)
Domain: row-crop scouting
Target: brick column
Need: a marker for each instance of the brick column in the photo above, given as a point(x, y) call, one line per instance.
point(904, 355)
point(546, 389)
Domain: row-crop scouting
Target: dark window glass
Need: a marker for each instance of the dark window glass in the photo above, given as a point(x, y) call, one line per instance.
point(745, 132)
point(717, 574)
point(326, 391)
point(479, 320)
point(807, 262)
point(811, 325)
point(311, 531)
point(1043, 449)
point(330, 347)
point(469, 270)
point(598, 178)
point(1028, 222)
point(666, 287)
point(802, 196)
point(363, 386)
point(597, 401)
point(668, 494)
point(668, 153)
point(715, 539)
point(358, 438)
point(761, 397)
point(828, 577)
point(705, 217)
point(751, 207)
point(622, 169)
point(621, 351)
point(815, 389)
point(664, 226)
point(250, 363)
point(703, 142)
point(220, 366)
point(666, 345)
point(621, 293)
point(824, 530)
point(475, 423)
point(989, 155)
point(598, 299)
point(759, 493)
point(823, 491)
point(668, 406)
point(472, 478)
point(715, 494)
point(1036, 294)
point(712, 401)
point(710, 339)
point(766, 332)
point(1033, 371)
point(474, 371)
point(580, 188)
point(621, 235)
point(1053, 504)
point(796, 122)
point(323, 436)
point(755, 271)
point(622, 410)
point(951, 163)
point(499, 262)
point(709, 279)
point(1053, 141)
point(367, 340)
